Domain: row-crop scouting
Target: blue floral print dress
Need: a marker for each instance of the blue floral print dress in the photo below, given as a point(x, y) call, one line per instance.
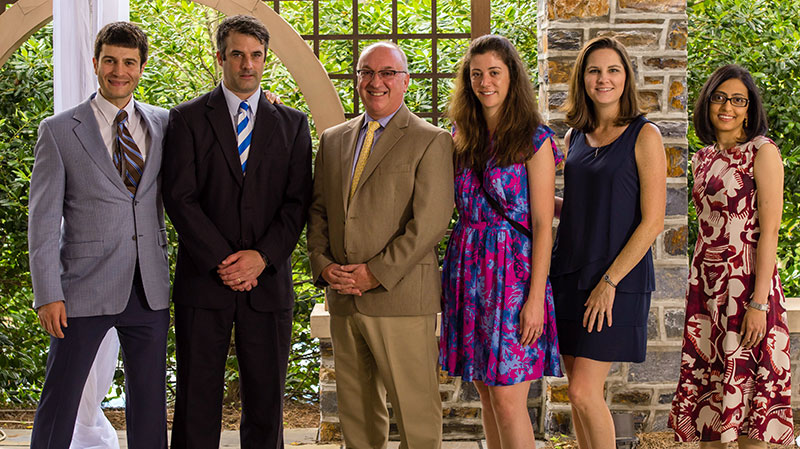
point(486, 279)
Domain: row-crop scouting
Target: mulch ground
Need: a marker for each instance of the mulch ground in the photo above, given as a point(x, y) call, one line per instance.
point(666, 440)
point(302, 415)
point(295, 415)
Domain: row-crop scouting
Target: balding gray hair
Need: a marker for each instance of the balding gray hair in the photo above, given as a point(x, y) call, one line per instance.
point(387, 44)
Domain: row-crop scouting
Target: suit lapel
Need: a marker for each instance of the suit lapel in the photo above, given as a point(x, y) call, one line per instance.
point(88, 133)
point(152, 165)
point(220, 120)
point(349, 140)
point(394, 131)
point(266, 121)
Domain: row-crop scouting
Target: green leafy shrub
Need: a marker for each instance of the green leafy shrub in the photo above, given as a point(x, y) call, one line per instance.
point(26, 97)
point(764, 37)
point(760, 35)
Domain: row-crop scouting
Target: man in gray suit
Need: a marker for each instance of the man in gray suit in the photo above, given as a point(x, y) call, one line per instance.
point(98, 246)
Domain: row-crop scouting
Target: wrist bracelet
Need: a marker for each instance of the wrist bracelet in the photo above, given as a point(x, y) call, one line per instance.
point(608, 280)
point(758, 306)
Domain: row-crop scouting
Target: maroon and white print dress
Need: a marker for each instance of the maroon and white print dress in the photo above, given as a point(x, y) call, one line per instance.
point(726, 391)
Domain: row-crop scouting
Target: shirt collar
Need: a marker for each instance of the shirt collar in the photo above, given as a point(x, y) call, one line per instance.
point(233, 100)
point(383, 121)
point(109, 111)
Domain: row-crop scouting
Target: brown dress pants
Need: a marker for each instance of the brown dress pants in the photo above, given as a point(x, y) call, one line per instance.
point(398, 356)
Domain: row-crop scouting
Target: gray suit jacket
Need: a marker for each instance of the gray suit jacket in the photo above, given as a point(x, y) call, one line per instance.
point(85, 234)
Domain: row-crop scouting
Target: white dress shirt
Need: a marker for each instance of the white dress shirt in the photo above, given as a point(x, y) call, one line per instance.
point(105, 113)
point(233, 102)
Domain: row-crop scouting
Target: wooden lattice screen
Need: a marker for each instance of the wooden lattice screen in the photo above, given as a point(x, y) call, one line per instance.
point(434, 41)
point(448, 25)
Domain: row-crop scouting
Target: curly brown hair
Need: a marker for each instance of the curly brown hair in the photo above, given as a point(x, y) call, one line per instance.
point(579, 107)
point(519, 116)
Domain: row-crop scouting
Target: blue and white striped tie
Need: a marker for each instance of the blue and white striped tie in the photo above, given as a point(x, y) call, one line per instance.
point(244, 131)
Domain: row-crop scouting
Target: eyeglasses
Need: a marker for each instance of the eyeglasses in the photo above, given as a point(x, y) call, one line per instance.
point(739, 102)
point(365, 74)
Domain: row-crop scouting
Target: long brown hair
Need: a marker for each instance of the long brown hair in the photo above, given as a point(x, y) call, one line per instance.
point(579, 107)
point(519, 117)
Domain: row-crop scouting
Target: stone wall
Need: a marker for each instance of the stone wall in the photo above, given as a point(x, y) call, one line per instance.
point(655, 34)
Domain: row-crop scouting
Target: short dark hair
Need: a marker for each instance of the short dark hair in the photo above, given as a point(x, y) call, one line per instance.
point(122, 34)
point(757, 124)
point(579, 108)
point(244, 25)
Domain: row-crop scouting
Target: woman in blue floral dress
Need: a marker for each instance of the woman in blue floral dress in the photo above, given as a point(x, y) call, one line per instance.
point(498, 320)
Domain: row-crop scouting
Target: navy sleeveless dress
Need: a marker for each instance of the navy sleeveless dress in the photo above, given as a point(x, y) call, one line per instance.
point(599, 214)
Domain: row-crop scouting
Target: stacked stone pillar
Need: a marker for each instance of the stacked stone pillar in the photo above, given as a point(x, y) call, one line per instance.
point(655, 34)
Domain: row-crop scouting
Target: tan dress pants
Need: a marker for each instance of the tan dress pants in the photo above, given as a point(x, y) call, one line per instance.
point(395, 355)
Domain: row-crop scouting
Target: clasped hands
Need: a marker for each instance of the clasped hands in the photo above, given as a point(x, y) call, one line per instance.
point(352, 279)
point(240, 270)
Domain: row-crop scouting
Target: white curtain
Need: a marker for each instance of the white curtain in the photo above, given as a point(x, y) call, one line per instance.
point(75, 25)
point(92, 428)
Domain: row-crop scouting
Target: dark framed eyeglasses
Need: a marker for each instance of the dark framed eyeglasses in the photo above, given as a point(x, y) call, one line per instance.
point(739, 102)
point(366, 74)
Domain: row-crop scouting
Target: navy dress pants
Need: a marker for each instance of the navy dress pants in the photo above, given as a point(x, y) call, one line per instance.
point(143, 339)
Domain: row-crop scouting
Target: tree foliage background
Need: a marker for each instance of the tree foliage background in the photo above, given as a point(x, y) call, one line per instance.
point(762, 35)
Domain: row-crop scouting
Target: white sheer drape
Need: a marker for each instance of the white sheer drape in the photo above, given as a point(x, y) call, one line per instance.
point(75, 25)
point(92, 428)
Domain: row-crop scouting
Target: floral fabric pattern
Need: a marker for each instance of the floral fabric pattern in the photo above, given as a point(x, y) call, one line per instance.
point(486, 280)
point(726, 391)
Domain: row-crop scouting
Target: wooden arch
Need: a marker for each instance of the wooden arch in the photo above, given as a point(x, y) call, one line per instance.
point(25, 17)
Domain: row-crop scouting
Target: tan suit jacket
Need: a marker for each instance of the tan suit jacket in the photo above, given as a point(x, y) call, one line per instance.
point(397, 216)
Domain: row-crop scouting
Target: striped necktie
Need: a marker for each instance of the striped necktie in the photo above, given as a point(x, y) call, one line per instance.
point(127, 150)
point(366, 147)
point(244, 132)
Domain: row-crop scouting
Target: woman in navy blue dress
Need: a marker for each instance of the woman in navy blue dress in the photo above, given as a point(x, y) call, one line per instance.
point(613, 210)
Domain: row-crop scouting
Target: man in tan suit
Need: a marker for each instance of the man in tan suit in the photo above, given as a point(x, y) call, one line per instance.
point(383, 196)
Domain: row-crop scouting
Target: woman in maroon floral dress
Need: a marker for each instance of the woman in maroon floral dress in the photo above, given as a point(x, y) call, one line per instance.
point(735, 371)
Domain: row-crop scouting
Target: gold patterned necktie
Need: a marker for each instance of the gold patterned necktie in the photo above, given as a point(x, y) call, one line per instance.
point(364, 154)
point(127, 157)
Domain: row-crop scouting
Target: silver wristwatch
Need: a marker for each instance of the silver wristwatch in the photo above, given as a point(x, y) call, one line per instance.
point(758, 306)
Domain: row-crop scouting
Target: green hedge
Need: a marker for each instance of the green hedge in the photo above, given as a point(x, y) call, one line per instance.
point(764, 37)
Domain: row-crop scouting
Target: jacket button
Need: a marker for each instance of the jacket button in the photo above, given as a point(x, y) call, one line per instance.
point(133, 237)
